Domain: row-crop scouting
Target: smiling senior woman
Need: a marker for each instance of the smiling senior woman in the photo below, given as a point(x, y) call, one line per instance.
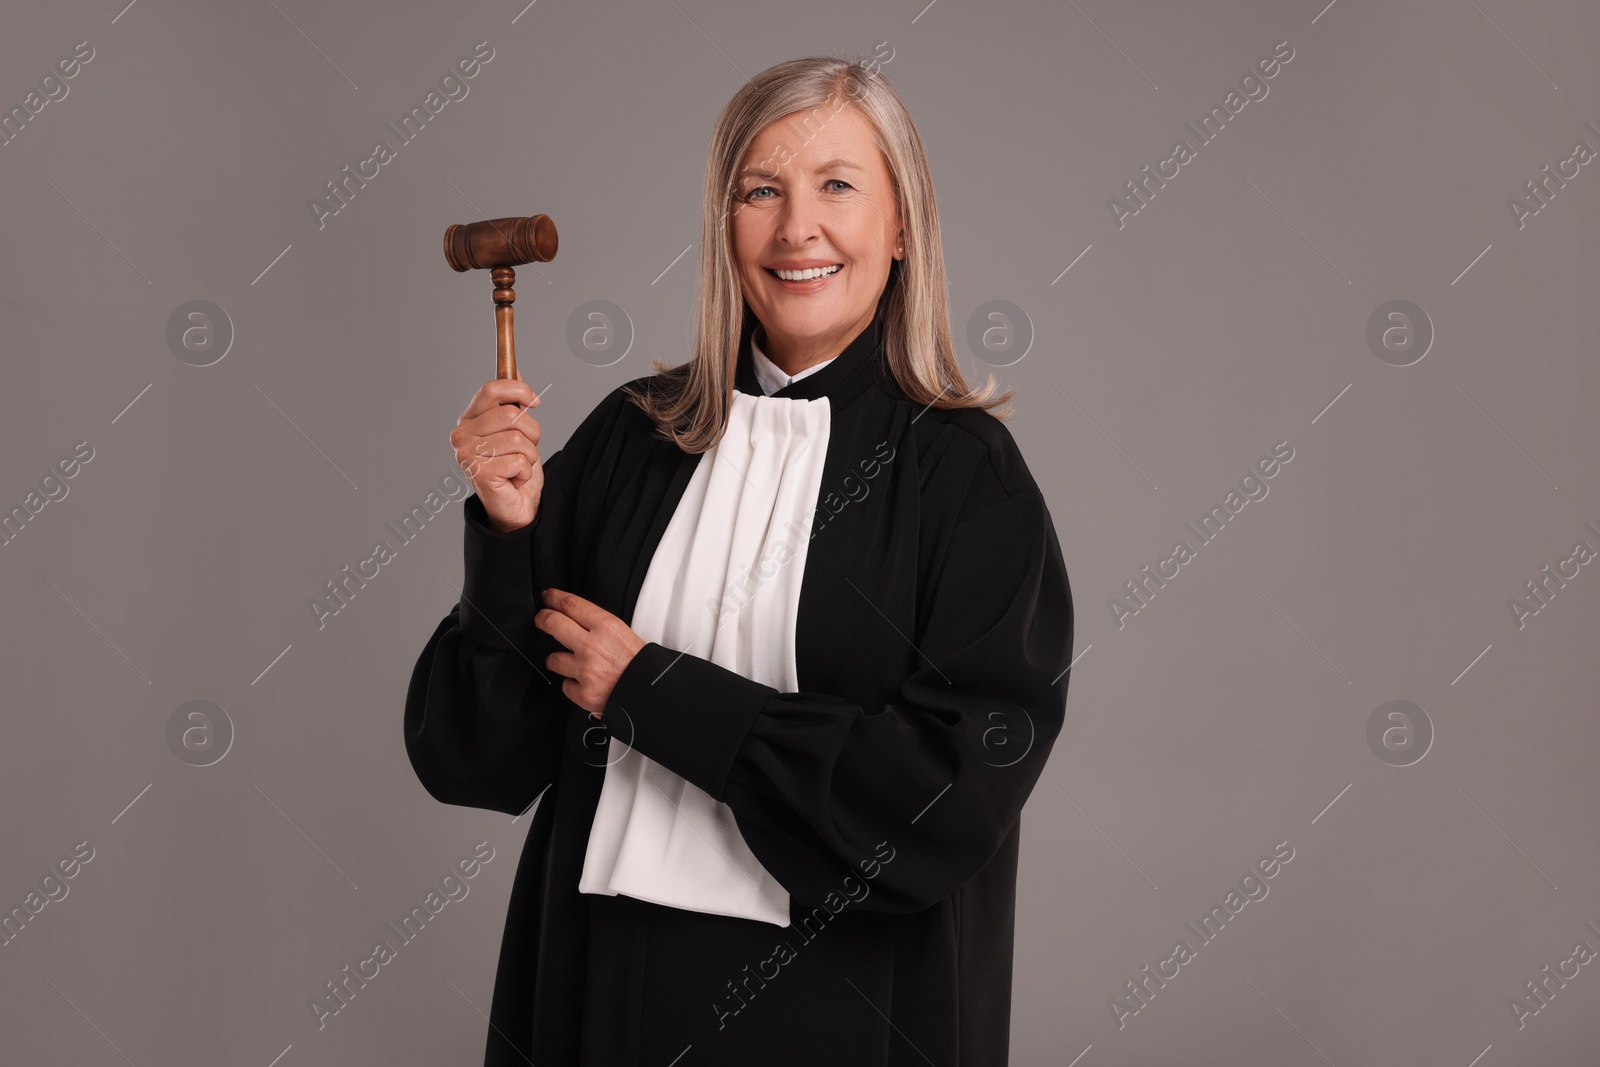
point(781, 803)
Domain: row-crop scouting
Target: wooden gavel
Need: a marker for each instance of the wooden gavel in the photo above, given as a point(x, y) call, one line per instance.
point(498, 245)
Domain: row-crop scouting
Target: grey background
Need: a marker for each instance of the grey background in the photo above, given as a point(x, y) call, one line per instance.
point(1228, 315)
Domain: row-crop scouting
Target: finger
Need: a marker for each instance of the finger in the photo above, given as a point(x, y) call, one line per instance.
point(586, 613)
point(574, 692)
point(503, 443)
point(513, 467)
point(511, 416)
point(501, 418)
point(562, 627)
point(508, 416)
point(500, 391)
point(563, 663)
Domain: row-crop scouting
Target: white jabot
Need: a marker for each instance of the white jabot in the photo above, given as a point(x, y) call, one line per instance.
point(768, 373)
point(723, 584)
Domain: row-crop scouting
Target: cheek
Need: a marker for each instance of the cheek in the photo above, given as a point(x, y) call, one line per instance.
point(747, 238)
point(737, 219)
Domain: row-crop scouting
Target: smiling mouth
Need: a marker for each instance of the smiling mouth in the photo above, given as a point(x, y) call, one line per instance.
point(808, 275)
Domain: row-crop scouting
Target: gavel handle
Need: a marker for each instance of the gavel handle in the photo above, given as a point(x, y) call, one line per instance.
point(505, 295)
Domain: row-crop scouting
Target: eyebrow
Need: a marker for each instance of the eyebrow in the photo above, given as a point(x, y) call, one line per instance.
point(832, 164)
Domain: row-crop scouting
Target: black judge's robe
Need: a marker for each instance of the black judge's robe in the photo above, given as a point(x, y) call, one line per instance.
point(933, 638)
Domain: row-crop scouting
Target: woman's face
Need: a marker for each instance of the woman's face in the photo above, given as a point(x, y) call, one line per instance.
point(824, 202)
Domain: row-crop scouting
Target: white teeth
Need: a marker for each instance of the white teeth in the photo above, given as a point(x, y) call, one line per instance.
point(807, 275)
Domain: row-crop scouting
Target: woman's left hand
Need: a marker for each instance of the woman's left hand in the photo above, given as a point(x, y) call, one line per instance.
point(602, 647)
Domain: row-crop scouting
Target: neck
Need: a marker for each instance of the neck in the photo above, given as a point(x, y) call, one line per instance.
point(793, 355)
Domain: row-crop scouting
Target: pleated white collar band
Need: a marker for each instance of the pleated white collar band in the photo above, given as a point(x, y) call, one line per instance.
point(724, 584)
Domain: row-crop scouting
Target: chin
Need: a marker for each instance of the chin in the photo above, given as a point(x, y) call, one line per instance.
point(806, 320)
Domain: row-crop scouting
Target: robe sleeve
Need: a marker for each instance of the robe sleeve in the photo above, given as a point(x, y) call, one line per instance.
point(484, 720)
point(933, 783)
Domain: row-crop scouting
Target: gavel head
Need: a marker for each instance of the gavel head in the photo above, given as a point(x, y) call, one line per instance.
point(495, 243)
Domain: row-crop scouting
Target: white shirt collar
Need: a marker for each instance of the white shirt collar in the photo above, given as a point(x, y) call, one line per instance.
point(768, 373)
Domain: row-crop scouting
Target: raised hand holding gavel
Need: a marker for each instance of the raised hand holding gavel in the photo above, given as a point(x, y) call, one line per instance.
point(496, 439)
point(497, 446)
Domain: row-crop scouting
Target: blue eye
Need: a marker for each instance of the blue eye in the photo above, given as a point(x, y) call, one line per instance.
point(751, 195)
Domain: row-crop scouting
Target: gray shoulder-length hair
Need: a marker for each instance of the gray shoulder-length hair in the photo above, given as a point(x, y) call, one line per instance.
point(689, 403)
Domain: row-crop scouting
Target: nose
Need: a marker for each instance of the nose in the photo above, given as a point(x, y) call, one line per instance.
point(797, 221)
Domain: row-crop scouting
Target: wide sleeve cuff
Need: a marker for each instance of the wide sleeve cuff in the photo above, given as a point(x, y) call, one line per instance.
point(686, 713)
point(497, 598)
